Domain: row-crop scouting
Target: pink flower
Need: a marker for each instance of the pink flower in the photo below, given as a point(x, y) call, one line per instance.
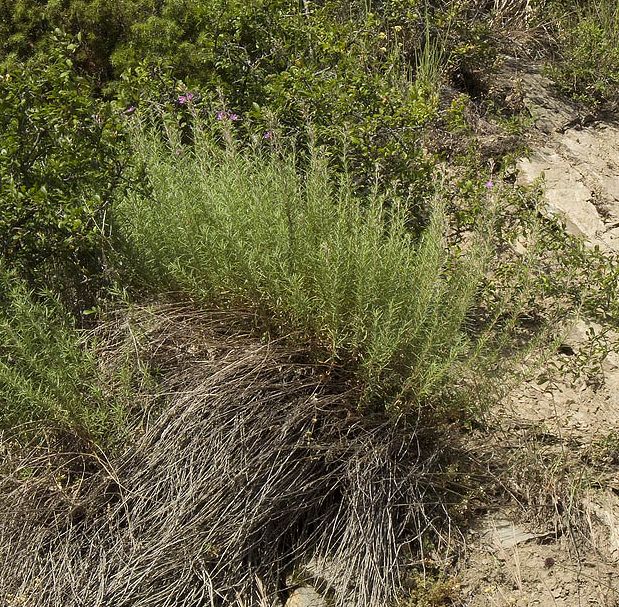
point(223, 115)
point(489, 184)
point(186, 98)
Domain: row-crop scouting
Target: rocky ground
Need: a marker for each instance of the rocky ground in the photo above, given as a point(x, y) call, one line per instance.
point(569, 427)
point(577, 155)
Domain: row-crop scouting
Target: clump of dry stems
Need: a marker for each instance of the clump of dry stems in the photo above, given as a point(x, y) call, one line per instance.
point(256, 464)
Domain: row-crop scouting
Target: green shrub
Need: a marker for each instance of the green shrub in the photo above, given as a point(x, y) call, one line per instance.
point(347, 67)
point(46, 375)
point(59, 150)
point(367, 75)
point(588, 37)
point(348, 71)
point(234, 228)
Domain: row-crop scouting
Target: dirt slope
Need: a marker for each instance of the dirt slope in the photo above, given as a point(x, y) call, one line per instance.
point(569, 428)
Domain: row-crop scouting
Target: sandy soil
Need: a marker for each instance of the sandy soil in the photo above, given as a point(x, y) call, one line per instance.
point(570, 425)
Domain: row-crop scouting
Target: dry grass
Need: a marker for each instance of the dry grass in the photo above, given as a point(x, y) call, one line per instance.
point(540, 477)
point(258, 463)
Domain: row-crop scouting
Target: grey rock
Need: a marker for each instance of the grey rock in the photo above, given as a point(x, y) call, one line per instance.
point(565, 192)
point(305, 596)
point(577, 159)
point(505, 534)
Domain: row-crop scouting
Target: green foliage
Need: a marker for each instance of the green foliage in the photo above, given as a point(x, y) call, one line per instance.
point(45, 372)
point(455, 116)
point(22, 23)
point(588, 35)
point(360, 78)
point(367, 76)
point(245, 229)
point(277, 65)
point(59, 150)
point(224, 44)
point(588, 276)
point(571, 277)
point(604, 451)
point(435, 590)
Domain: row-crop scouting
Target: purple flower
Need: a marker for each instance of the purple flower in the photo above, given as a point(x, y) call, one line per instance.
point(489, 184)
point(268, 135)
point(130, 110)
point(186, 98)
point(223, 115)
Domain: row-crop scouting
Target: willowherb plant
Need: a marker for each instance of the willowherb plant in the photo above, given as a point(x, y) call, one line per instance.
point(46, 374)
point(247, 228)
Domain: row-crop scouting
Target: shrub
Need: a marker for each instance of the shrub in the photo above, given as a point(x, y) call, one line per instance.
point(245, 229)
point(336, 63)
point(46, 375)
point(588, 40)
point(349, 67)
point(59, 150)
point(273, 63)
point(255, 469)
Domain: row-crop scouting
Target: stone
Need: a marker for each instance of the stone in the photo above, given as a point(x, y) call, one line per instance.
point(305, 596)
point(578, 160)
point(505, 534)
point(565, 192)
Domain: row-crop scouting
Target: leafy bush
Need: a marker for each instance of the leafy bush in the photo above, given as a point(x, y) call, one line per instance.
point(59, 150)
point(588, 36)
point(347, 67)
point(276, 65)
point(245, 229)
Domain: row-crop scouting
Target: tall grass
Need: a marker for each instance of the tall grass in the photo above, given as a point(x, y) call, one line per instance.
point(248, 229)
point(45, 373)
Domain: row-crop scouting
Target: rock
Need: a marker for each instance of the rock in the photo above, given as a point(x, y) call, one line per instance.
point(594, 152)
point(305, 596)
point(505, 534)
point(603, 507)
point(577, 158)
point(321, 575)
point(611, 363)
point(548, 112)
point(565, 192)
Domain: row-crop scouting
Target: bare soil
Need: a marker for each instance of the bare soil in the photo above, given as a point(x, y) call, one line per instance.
point(556, 542)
